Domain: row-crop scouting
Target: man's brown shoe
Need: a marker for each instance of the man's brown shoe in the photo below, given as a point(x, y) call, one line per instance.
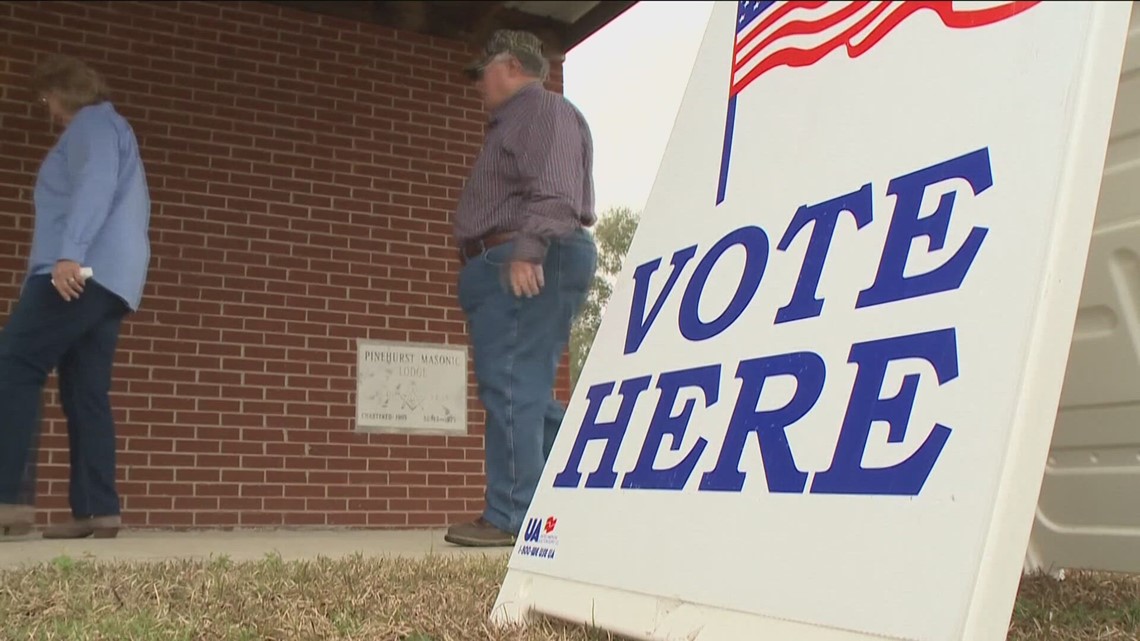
point(478, 534)
point(16, 520)
point(99, 527)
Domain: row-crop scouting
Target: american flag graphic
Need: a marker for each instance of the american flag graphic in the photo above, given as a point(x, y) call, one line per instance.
point(799, 34)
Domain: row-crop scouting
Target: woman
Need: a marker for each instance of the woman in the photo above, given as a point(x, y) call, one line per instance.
point(89, 257)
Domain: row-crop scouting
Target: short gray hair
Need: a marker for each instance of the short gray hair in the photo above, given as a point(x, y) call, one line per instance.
point(534, 66)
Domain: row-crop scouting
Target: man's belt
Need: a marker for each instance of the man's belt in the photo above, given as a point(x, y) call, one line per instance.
point(472, 248)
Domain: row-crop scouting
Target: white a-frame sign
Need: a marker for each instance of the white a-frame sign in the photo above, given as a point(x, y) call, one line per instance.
point(821, 399)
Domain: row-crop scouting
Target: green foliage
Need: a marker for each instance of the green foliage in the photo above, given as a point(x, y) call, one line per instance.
point(613, 234)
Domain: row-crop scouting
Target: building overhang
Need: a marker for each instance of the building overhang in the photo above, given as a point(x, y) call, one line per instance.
point(561, 25)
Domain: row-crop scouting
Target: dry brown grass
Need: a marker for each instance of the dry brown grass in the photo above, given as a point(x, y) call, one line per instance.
point(434, 599)
point(1082, 606)
point(442, 598)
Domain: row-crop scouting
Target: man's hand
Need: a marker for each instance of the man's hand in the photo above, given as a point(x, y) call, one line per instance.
point(67, 279)
point(526, 279)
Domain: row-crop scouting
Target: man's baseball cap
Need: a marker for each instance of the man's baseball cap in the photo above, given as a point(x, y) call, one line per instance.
point(523, 45)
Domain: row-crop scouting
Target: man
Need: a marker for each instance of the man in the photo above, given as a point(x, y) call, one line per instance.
point(527, 265)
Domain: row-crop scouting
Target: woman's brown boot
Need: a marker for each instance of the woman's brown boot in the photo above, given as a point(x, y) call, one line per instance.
point(99, 527)
point(16, 520)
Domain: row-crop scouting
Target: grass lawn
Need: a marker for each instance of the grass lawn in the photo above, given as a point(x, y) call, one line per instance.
point(437, 599)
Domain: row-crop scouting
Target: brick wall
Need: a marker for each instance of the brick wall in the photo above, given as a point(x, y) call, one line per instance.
point(303, 170)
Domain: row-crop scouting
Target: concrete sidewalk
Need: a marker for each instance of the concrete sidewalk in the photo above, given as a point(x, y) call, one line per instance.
point(241, 545)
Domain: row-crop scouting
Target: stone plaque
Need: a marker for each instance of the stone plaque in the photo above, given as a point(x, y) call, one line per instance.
point(411, 387)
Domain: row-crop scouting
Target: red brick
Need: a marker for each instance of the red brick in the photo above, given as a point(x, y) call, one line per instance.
point(194, 503)
point(163, 518)
point(306, 518)
point(215, 519)
point(238, 505)
point(252, 518)
point(186, 475)
point(351, 518)
point(302, 200)
point(422, 519)
point(386, 518)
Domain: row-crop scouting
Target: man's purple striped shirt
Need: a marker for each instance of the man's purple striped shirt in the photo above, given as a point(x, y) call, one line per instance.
point(533, 176)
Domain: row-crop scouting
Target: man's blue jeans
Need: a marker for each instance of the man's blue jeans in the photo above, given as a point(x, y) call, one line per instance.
point(79, 339)
point(518, 344)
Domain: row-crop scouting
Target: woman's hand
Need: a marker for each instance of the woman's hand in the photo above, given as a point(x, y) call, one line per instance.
point(68, 279)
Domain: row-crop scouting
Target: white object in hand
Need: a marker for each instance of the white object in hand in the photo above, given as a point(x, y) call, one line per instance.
point(84, 273)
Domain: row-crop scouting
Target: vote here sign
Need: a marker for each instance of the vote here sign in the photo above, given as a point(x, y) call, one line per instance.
point(820, 400)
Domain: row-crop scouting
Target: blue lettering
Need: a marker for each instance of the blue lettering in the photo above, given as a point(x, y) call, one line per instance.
point(639, 324)
point(755, 243)
point(533, 530)
point(825, 216)
point(612, 433)
point(779, 465)
point(890, 284)
point(847, 474)
point(645, 476)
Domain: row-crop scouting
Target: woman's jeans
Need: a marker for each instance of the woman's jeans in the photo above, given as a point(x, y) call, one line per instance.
point(79, 338)
point(518, 344)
